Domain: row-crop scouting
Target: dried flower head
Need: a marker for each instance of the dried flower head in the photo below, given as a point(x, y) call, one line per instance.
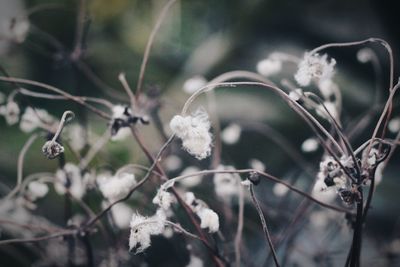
point(142, 228)
point(314, 67)
point(51, 149)
point(194, 131)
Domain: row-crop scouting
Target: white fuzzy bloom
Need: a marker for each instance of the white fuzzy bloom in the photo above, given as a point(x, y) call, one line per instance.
point(280, 190)
point(296, 94)
point(121, 214)
point(76, 136)
point(173, 163)
point(194, 131)
point(192, 180)
point(310, 145)
point(231, 134)
point(257, 165)
point(164, 199)
point(193, 84)
point(142, 228)
point(37, 190)
point(314, 67)
point(246, 183)
point(77, 187)
point(269, 66)
point(365, 55)
point(195, 262)
point(394, 125)
point(34, 118)
point(332, 109)
point(208, 219)
point(117, 186)
point(226, 184)
point(10, 111)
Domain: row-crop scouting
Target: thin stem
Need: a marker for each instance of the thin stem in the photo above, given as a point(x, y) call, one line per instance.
point(58, 91)
point(37, 239)
point(239, 230)
point(20, 165)
point(170, 182)
point(61, 125)
point(127, 88)
point(148, 47)
point(264, 224)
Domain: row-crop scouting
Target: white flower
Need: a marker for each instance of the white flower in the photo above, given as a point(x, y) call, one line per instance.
point(280, 190)
point(77, 187)
point(11, 112)
point(193, 84)
point(164, 199)
point(76, 136)
point(231, 134)
point(226, 184)
point(121, 214)
point(365, 55)
point(121, 112)
point(37, 190)
point(142, 228)
point(310, 145)
point(32, 119)
point(257, 165)
point(296, 94)
point(394, 125)
point(117, 186)
point(269, 66)
point(209, 219)
point(194, 132)
point(172, 163)
point(195, 262)
point(321, 193)
point(314, 67)
point(192, 180)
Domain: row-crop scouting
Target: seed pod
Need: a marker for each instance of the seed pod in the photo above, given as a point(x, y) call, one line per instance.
point(52, 149)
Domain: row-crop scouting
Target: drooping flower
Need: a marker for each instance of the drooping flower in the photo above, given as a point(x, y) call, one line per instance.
point(314, 67)
point(194, 131)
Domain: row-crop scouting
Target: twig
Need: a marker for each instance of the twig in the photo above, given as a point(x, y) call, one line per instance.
point(264, 224)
